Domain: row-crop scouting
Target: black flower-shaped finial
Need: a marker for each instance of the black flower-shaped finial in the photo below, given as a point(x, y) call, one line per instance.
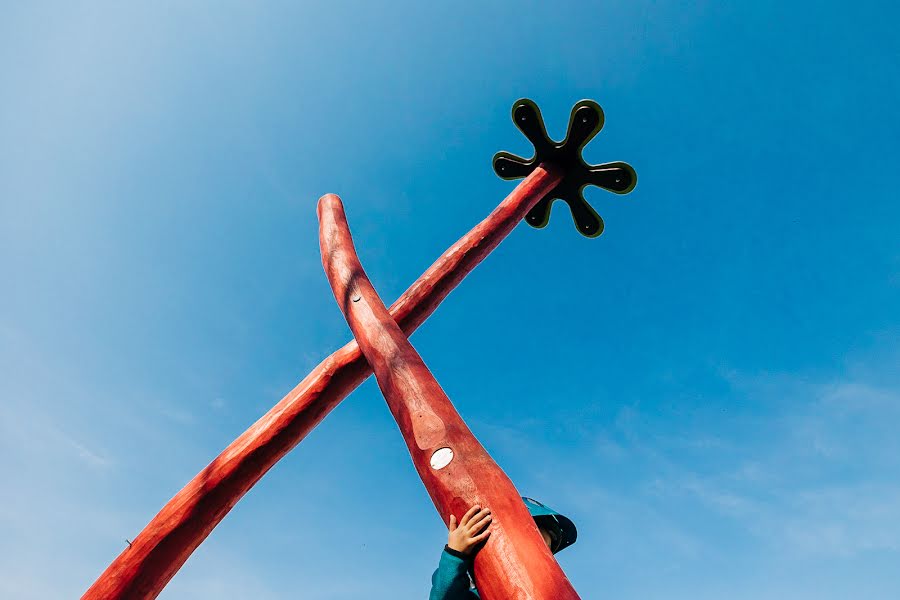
point(584, 123)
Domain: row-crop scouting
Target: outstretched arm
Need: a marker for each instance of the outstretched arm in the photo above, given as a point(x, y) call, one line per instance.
point(451, 580)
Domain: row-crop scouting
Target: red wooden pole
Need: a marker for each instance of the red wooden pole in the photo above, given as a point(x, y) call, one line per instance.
point(515, 563)
point(162, 547)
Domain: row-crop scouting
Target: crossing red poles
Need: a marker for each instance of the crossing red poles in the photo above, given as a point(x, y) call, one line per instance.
point(515, 563)
point(162, 547)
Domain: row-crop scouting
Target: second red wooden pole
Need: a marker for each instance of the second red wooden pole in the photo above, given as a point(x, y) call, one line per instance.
point(515, 563)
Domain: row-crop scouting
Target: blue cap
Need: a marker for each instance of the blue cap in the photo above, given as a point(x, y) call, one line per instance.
point(558, 525)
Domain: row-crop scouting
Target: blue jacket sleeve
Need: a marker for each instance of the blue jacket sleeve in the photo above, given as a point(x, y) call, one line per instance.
point(451, 580)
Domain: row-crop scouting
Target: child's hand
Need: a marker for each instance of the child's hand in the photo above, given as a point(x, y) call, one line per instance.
point(465, 536)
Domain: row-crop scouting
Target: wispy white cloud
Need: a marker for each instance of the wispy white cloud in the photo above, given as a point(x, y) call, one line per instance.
point(89, 456)
point(810, 469)
point(811, 477)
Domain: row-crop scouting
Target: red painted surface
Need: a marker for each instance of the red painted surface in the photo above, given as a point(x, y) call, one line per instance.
point(515, 563)
point(156, 554)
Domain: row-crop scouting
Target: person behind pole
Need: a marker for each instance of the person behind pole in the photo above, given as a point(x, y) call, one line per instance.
point(453, 578)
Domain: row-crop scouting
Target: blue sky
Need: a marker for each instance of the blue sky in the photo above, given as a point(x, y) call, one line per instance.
point(707, 390)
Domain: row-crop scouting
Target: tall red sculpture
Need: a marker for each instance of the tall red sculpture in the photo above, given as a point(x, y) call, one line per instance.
point(515, 563)
point(556, 171)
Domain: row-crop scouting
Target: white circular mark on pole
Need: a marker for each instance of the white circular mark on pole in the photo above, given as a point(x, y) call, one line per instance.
point(441, 458)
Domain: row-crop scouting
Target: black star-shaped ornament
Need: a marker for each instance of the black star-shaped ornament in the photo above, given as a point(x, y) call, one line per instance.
point(584, 123)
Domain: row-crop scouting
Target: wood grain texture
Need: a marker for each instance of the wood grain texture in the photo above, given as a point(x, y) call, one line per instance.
point(161, 548)
point(514, 563)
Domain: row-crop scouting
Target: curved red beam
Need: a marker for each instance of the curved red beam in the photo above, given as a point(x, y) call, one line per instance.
point(457, 471)
point(143, 569)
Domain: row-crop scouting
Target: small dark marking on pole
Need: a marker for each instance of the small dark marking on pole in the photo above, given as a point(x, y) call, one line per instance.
point(128, 542)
